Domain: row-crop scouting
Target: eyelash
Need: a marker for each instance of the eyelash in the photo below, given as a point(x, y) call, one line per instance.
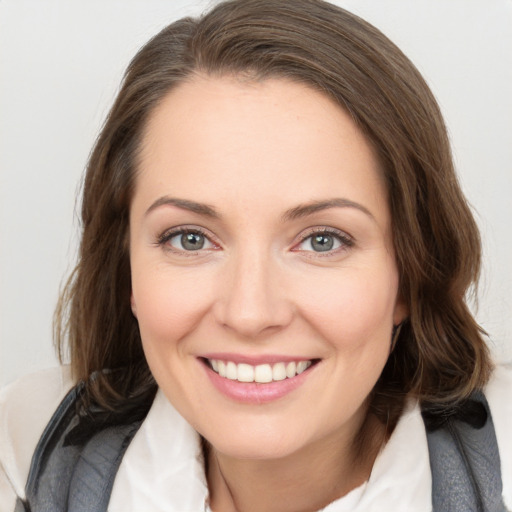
point(346, 241)
point(164, 239)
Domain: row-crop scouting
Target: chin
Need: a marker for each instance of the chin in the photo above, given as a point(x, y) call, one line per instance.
point(255, 450)
point(264, 442)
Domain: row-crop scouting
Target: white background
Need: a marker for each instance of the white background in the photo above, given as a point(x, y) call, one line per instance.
point(60, 65)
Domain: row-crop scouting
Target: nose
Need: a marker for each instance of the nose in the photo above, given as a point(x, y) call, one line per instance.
point(253, 300)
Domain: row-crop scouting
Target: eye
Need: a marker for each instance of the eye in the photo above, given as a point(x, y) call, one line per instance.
point(325, 241)
point(186, 240)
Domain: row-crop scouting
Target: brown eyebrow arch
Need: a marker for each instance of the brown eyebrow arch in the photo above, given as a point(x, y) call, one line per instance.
point(185, 204)
point(303, 210)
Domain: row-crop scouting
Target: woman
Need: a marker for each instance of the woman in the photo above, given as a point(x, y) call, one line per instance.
point(272, 277)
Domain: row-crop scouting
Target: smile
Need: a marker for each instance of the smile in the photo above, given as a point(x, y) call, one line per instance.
point(261, 373)
point(262, 380)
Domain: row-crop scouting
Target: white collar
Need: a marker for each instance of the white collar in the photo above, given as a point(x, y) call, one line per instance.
point(163, 469)
point(401, 479)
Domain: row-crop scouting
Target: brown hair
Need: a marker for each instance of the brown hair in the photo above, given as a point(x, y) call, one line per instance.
point(440, 356)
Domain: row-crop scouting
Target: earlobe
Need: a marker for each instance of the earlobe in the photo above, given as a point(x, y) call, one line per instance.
point(400, 315)
point(401, 312)
point(133, 306)
point(394, 336)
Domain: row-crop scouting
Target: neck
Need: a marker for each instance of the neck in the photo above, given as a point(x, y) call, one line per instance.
point(304, 481)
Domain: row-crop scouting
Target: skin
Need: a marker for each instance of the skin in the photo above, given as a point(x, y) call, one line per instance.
point(255, 152)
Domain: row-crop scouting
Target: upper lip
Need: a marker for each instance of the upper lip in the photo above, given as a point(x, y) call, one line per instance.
point(256, 360)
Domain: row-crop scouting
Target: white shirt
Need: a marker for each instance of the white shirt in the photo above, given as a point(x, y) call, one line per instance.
point(166, 449)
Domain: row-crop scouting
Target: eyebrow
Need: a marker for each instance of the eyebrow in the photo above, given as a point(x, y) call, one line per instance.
point(185, 204)
point(300, 211)
point(303, 210)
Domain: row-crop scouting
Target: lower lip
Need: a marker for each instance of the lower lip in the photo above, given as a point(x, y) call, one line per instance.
point(255, 392)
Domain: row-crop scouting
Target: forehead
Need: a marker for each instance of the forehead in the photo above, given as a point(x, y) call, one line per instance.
point(224, 139)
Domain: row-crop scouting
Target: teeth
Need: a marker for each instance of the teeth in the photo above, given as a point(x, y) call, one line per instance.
point(262, 373)
point(301, 366)
point(245, 373)
point(291, 370)
point(231, 371)
point(278, 372)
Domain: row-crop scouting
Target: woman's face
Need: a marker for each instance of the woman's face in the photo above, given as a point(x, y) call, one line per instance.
point(263, 274)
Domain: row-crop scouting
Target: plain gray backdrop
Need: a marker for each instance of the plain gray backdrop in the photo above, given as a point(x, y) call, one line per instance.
point(61, 62)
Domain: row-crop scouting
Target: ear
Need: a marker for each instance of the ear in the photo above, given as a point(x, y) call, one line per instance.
point(401, 312)
point(133, 305)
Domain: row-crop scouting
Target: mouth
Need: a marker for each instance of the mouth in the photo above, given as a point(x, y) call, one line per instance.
point(261, 373)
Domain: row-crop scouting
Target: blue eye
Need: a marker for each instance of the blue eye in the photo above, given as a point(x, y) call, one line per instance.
point(324, 241)
point(186, 240)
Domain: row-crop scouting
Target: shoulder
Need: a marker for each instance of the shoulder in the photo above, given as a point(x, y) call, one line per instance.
point(26, 407)
point(498, 393)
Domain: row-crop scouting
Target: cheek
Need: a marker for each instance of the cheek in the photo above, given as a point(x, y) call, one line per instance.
point(353, 313)
point(169, 302)
point(353, 308)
